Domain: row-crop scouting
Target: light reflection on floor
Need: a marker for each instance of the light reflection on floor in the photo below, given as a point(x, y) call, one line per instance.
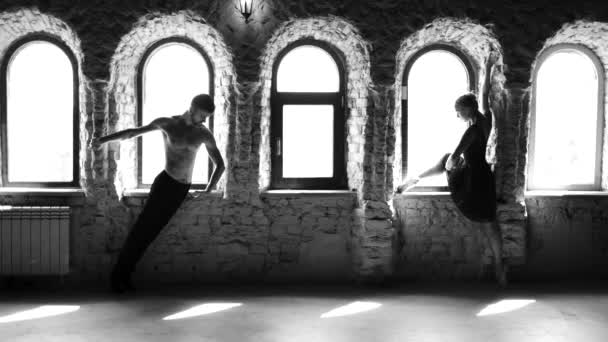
point(39, 312)
point(203, 309)
point(281, 313)
point(506, 305)
point(351, 309)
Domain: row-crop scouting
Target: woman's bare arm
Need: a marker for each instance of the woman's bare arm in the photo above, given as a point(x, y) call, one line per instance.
point(485, 93)
point(487, 110)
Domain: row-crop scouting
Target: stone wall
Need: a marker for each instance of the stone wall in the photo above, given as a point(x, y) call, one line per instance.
point(242, 232)
point(122, 87)
point(285, 238)
point(567, 236)
point(436, 241)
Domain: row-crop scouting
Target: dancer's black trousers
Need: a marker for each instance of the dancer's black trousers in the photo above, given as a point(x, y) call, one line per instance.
point(166, 195)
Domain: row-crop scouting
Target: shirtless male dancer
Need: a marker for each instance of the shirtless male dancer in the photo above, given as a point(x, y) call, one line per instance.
point(183, 135)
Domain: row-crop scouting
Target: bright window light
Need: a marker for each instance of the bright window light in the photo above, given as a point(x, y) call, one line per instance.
point(566, 118)
point(308, 69)
point(174, 73)
point(302, 156)
point(351, 309)
point(203, 309)
point(40, 114)
point(434, 82)
point(39, 312)
point(506, 305)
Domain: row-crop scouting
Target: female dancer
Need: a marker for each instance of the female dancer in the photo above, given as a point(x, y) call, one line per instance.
point(470, 179)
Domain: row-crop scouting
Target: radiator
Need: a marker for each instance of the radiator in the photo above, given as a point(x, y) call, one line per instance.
point(34, 240)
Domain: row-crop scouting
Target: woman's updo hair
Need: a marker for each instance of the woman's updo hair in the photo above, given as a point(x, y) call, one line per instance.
point(468, 100)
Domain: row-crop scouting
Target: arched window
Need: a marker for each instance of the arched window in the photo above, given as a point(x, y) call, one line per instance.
point(307, 130)
point(567, 120)
point(434, 78)
point(39, 93)
point(171, 73)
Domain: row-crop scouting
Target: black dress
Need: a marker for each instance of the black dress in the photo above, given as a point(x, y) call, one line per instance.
point(471, 183)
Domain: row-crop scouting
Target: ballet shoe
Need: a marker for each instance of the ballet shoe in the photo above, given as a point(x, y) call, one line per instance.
point(410, 183)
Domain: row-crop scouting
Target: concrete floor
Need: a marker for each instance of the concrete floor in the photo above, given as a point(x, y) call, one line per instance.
point(408, 312)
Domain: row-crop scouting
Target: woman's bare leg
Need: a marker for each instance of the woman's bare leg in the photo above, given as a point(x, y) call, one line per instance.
point(492, 231)
point(480, 240)
point(436, 169)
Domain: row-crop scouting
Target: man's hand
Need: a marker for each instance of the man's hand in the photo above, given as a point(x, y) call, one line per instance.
point(95, 144)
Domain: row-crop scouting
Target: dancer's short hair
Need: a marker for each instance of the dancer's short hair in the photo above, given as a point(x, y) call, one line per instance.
point(204, 102)
point(468, 100)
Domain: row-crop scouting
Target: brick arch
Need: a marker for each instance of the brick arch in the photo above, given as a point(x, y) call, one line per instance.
point(122, 87)
point(17, 24)
point(474, 41)
point(345, 38)
point(592, 35)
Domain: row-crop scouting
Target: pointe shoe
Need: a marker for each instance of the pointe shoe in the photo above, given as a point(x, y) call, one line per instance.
point(410, 183)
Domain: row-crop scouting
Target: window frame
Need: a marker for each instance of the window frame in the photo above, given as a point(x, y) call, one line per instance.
point(140, 92)
point(599, 69)
point(6, 61)
point(336, 99)
point(472, 74)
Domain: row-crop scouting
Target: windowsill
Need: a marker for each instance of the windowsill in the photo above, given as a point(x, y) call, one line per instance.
point(565, 193)
point(39, 192)
point(308, 193)
point(419, 194)
point(146, 192)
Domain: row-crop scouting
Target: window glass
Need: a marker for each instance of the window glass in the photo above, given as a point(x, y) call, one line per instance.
point(174, 73)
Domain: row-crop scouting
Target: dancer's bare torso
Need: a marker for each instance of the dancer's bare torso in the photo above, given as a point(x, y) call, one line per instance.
point(182, 142)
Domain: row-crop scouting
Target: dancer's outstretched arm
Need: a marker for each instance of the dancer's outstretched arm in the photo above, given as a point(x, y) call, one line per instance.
point(129, 133)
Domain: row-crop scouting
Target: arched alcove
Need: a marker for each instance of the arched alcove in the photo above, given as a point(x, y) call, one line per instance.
point(589, 36)
point(122, 88)
point(474, 43)
point(30, 24)
point(353, 50)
